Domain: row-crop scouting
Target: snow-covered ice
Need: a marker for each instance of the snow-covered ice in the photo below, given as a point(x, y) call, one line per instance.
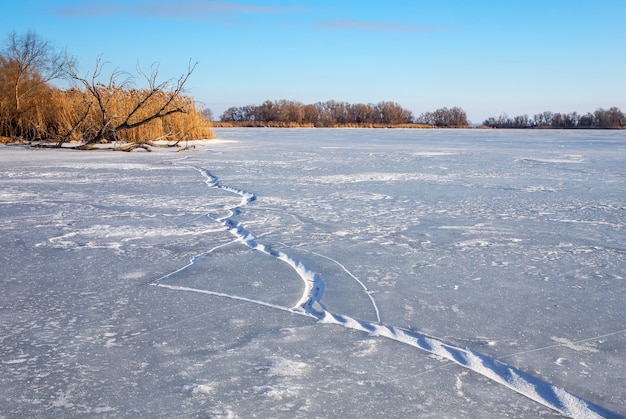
point(317, 273)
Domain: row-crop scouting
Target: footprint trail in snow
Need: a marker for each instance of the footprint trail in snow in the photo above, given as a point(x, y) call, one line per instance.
point(310, 305)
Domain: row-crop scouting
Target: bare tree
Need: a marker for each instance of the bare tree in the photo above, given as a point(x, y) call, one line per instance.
point(207, 114)
point(392, 113)
point(451, 118)
point(311, 115)
point(140, 106)
point(28, 63)
point(291, 111)
point(321, 114)
point(612, 118)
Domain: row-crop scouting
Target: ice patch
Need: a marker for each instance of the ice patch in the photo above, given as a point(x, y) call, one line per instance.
point(134, 275)
point(474, 243)
point(539, 188)
point(103, 236)
point(573, 158)
point(203, 389)
point(381, 177)
point(15, 361)
point(282, 367)
point(366, 348)
point(580, 347)
point(431, 153)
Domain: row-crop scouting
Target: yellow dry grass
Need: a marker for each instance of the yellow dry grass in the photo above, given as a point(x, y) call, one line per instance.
point(54, 114)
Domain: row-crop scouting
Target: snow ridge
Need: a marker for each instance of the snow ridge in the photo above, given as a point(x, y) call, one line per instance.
point(310, 305)
point(314, 285)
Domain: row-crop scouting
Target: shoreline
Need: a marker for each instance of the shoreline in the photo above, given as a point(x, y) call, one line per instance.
point(254, 124)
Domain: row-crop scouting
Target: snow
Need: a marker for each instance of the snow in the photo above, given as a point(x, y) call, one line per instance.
point(317, 273)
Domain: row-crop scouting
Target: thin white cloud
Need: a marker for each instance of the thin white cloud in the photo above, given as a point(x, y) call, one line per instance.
point(184, 9)
point(375, 26)
point(208, 8)
point(91, 9)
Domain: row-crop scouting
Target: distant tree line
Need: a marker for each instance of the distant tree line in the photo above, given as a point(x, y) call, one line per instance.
point(611, 118)
point(339, 114)
point(95, 109)
point(445, 118)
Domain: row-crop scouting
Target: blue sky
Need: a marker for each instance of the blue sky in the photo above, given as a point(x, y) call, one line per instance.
point(484, 56)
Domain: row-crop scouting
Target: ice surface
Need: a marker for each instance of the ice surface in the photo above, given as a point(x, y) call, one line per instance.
point(456, 274)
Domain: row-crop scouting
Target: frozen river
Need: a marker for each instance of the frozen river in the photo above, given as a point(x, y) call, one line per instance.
point(317, 273)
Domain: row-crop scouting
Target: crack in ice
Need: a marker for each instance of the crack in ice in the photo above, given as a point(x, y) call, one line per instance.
point(310, 305)
point(367, 290)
